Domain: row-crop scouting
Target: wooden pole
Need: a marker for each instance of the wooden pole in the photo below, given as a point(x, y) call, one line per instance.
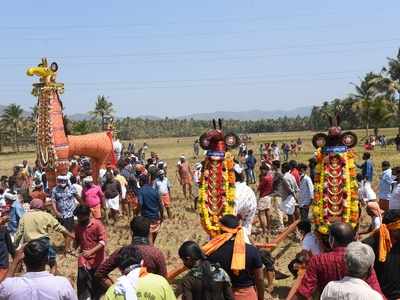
point(270, 246)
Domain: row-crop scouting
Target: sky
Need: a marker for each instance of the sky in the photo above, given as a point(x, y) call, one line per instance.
point(173, 58)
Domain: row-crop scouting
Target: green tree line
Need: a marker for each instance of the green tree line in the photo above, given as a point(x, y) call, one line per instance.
point(374, 103)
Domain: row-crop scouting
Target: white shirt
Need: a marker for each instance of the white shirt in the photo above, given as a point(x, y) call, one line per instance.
point(306, 191)
point(37, 286)
point(78, 188)
point(365, 192)
point(276, 153)
point(310, 243)
point(376, 222)
point(349, 288)
point(245, 205)
point(394, 202)
point(162, 186)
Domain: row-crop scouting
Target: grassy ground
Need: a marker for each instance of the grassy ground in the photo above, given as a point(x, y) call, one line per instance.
point(185, 223)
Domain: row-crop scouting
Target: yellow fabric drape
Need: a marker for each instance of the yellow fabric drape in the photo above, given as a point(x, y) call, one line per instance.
point(238, 262)
point(385, 243)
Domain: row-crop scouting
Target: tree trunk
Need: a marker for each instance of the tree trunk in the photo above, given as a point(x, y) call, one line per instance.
point(102, 121)
point(398, 113)
point(16, 137)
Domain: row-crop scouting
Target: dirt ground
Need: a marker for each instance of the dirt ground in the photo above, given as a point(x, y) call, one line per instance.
point(185, 222)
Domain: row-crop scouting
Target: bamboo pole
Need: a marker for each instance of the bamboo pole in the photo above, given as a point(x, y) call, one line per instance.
point(270, 246)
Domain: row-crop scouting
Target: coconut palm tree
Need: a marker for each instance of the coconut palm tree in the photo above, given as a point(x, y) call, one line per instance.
point(103, 107)
point(393, 80)
point(364, 95)
point(12, 119)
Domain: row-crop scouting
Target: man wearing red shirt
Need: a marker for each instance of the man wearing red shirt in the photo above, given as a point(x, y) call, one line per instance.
point(90, 237)
point(294, 171)
point(265, 188)
point(330, 266)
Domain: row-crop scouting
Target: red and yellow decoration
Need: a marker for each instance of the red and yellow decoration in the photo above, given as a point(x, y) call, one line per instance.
point(216, 192)
point(336, 198)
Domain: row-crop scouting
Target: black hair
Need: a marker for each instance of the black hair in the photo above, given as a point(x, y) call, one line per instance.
point(391, 216)
point(359, 177)
point(285, 167)
point(342, 233)
point(73, 180)
point(250, 152)
point(276, 164)
point(140, 226)
point(230, 221)
point(367, 155)
point(386, 164)
point(36, 254)
point(82, 210)
point(129, 256)
point(292, 164)
point(312, 162)
point(239, 177)
point(192, 250)
point(143, 179)
point(304, 226)
point(302, 167)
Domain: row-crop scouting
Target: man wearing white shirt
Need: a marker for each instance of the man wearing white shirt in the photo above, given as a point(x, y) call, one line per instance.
point(394, 202)
point(359, 260)
point(306, 193)
point(385, 186)
point(245, 201)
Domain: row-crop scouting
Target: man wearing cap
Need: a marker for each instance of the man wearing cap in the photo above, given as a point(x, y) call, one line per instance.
point(14, 199)
point(245, 201)
point(36, 224)
point(64, 198)
point(163, 188)
point(184, 174)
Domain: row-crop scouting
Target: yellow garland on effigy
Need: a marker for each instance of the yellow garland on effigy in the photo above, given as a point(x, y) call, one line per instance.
point(211, 223)
point(350, 203)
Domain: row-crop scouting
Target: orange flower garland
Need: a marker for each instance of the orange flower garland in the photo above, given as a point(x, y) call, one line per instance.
point(209, 219)
point(347, 189)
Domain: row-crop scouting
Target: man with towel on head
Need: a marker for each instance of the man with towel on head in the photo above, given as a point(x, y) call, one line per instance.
point(239, 259)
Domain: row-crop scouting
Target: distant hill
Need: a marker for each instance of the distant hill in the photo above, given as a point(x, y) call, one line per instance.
point(241, 115)
point(251, 114)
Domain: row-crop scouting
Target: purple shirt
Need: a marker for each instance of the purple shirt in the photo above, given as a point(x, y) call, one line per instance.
point(37, 286)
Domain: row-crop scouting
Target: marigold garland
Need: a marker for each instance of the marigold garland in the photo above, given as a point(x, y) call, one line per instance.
point(215, 188)
point(346, 195)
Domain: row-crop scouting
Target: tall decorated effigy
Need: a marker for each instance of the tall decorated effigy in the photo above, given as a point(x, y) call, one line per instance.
point(217, 182)
point(336, 190)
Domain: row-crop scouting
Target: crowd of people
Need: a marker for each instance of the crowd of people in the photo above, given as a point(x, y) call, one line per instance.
point(271, 193)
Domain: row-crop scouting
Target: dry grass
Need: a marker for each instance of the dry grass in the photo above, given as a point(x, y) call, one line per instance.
point(185, 223)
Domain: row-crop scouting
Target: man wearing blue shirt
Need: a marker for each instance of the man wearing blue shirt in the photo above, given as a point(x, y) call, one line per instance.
point(151, 206)
point(385, 186)
point(367, 168)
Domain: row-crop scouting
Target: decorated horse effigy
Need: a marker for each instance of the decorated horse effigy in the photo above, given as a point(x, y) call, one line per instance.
point(217, 181)
point(335, 196)
point(54, 147)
